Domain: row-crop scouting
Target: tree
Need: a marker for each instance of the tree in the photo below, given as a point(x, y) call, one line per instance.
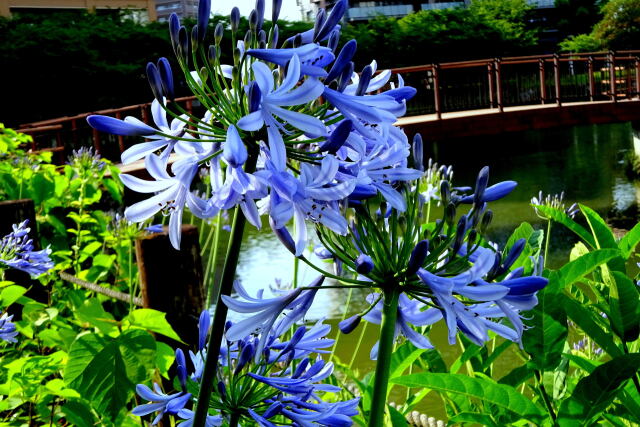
point(620, 25)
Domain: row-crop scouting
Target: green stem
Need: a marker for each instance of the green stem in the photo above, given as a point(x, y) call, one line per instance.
point(546, 242)
point(234, 419)
point(545, 396)
point(385, 351)
point(344, 316)
point(220, 314)
point(211, 265)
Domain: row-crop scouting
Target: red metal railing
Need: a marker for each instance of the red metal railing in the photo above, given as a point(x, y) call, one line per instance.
point(455, 86)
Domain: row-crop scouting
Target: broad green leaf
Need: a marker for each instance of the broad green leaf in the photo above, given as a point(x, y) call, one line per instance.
point(604, 237)
point(561, 217)
point(473, 417)
point(105, 371)
point(547, 333)
point(587, 263)
point(624, 310)
point(92, 312)
point(629, 241)
point(517, 376)
point(154, 321)
point(500, 395)
point(78, 413)
point(433, 362)
point(402, 358)
point(397, 419)
point(524, 231)
point(594, 393)
point(164, 358)
point(583, 363)
point(114, 190)
point(42, 188)
point(582, 317)
point(11, 294)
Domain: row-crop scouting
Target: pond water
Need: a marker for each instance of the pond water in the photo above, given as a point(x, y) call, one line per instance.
point(586, 162)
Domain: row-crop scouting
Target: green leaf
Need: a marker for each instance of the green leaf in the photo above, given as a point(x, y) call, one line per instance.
point(78, 413)
point(153, 321)
point(486, 390)
point(397, 419)
point(547, 333)
point(114, 190)
point(473, 417)
point(105, 371)
point(624, 310)
point(42, 188)
point(11, 294)
point(585, 264)
point(561, 217)
point(402, 358)
point(517, 376)
point(92, 312)
point(164, 358)
point(582, 317)
point(604, 237)
point(594, 393)
point(629, 242)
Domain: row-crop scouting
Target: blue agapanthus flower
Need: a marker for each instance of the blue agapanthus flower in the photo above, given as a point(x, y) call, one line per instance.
point(159, 402)
point(8, 330)
point(17, 251)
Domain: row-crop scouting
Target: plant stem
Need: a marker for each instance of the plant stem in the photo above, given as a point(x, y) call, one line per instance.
point(220, 314)
point(211, 265)
point(546, 242)
point(234, 419)
point(385, 351)
point(545, 396)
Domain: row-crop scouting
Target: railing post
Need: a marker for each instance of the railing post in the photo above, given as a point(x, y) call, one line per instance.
point(496, 65)
point(638, 76)
point(543, 81)
point(556, 77)
point(436, 90)
point(492, 87)
point(592, 80)
point(120, 137)
point(612, 76)
point(144, 114)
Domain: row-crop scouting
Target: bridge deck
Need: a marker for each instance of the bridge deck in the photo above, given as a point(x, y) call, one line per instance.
point(491, 121)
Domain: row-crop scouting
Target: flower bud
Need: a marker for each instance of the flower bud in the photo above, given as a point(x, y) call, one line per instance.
point(245, 356)
point(345, 55)
point(348, 325)
point(481, 185)
point(260, 13)
point(181, 368)
point(212, 55)
point(302, 366)
point(337, 138)
point(218, 33)
point(255, 96)
point(513, 255)
point(364, 264)
point(322, 252)
point(222, 389)
point(450, 214)
point(203, 328)
point(334, 39)
point(275, 33)
point(460, 233)
point(183, 43)
point(253, 20)
point(174, 28)
point(275, 11)
point(486, 220)
point(295, 339)
point(166, 77)
point(345, 77)
point(365, 78)
point(194, 37)
point(247, 38)
point(320, 18)
point(204, 10)
point(297, 41)
point(284, 236)
point(153, 75)
point(418, 256)
point(417, 151)
point(272, 410)
point(332, 20)
point(234, 19)
point(445, 191)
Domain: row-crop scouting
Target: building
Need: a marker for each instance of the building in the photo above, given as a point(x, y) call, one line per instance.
point(182, 8)
point(363, 10)
point(9, 6)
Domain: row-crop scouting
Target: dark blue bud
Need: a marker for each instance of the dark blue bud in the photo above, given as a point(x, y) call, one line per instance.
point(222, 389)
point(245, 357)
point(183, 43)
point(332, 20)
point(295, 339)
point(181, 368)
point(321, 16)
point(525, 285)
point(247, 37)
point(166, 76)
point(284, 236)
point(260, 13)
point(345, 55)
point(204, 10)
point(272, 410)
point(153, 75)
point(322, 252)
point(348, 325)
point(301, 368)
point(203, 328)
point(297, 40)
point(460, 233)
point(418, 256)
point(255, 96)
point(365, 78)
point(418, 153)
point(514, 274)
point(477, 212)
point(486, 220)
point(227, 325)
point(450, 214)
point(218, 33)
point(253, 20)
point(514, 254)
point(334, 39)
point(493, 193)
point(195, 41)
point(445, 191)
point(481, 184)
point(174, 29)
point(212, 54)
point(275, 11)
point(364, 264)
point(345, 77)
point(234, 19)
point(337, 137)
point(262, 36)
point(275, 34)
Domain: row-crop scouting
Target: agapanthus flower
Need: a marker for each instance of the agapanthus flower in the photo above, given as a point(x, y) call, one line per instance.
point(17, 251)
point(159, 402)
point(555, 201)
point(8, 330)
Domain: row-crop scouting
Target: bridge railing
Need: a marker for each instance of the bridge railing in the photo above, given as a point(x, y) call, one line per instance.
point(496, 84)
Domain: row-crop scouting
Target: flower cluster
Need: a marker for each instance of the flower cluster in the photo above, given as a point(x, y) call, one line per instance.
point(16, 251)
point(86, 160)
point(7, 328)
point(555, 201)
point(264, 378)
point(289, 129)
point(442, 271)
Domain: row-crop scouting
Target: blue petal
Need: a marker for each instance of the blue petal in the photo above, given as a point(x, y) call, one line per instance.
point(119, 127)
point(235, 153)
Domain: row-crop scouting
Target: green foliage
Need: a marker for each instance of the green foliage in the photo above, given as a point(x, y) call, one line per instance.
point(581, 43)
point(620, 25)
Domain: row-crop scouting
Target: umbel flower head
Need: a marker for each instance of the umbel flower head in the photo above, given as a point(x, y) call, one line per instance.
point(266, 378)
point(16, 251)
point(289, 129)
point(7, 328)
point(443, 271)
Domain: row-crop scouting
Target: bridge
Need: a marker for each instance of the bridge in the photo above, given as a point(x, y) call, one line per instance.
point(459, 99)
